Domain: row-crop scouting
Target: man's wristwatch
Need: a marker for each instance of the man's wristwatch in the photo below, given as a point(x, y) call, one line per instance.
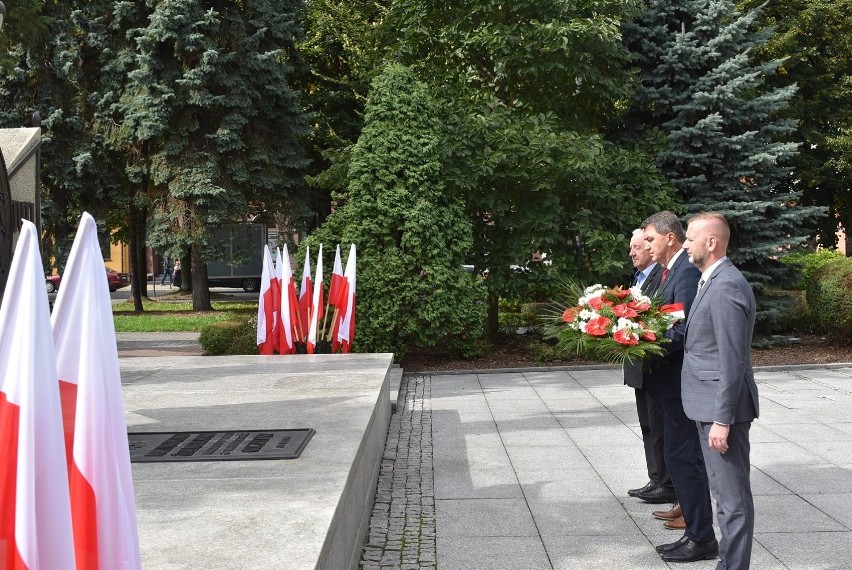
point(721, 424)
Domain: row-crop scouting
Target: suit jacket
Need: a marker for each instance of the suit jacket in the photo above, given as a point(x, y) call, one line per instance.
point(633, 375)
point(661, 376)
point(717, 379)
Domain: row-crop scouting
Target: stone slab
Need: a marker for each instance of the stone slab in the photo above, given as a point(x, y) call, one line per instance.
point(311, 512)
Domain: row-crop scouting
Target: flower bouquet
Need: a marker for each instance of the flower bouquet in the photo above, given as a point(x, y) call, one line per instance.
point(615, 324)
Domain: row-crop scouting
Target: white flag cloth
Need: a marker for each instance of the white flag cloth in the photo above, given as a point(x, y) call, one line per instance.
point(286, 343)
point(35, 508)
point(316, 305)
point(266, 310)
point(103, 506)
point(306, 296)
point(346, 331)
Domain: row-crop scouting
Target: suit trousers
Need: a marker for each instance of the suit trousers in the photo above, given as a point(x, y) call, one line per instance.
point(731, 486)
point(650, 411)
point(686, 466)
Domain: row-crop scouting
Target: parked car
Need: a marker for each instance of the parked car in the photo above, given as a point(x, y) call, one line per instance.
point(115, 280)
point(52, 282)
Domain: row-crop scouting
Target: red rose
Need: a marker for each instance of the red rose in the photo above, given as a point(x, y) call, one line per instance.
point(624, 310)
point(570, 314)
point(597, 302)
point(624, 337)
point(598, 326)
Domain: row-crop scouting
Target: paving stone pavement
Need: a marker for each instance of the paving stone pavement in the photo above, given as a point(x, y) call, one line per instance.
point(402, 525)
point(529, 469)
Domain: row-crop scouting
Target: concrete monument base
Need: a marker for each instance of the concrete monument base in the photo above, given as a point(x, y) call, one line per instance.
point(309, 512)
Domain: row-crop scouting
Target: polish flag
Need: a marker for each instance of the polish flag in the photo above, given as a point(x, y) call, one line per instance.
point(267, 311)
point(103, 507)
point(346, 332)
point(336, 292)
point(316, 305)
point(306, 293)
point(289, 305)
point(35, 508)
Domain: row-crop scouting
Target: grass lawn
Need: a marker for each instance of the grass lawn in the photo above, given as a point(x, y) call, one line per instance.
point(177, 316)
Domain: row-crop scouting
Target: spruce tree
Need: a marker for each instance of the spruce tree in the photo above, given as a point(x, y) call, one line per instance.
point(411, 234)
point(725, 146)
point(212, 97)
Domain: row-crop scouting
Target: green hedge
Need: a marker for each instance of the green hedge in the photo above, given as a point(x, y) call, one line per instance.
point(829, 296)
point(809, 262)
point(229, 337)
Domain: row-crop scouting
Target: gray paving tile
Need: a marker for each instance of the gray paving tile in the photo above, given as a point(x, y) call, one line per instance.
point(805, 479)
point(581, 483)
point(835, 505)
point(792, 514)
point(536, 437)
point(462, 482)
point(491, 553)
point(484, 517)
point(628, 551)
point(539, 458)
point(559, 516)
point(809, 550)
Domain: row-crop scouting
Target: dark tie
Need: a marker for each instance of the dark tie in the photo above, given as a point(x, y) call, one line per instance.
point(665, 274)
point(700, 285)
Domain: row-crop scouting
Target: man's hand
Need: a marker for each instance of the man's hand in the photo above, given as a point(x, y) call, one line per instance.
point(718, 438)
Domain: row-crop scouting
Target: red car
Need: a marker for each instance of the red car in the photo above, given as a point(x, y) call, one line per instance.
point(115, 280)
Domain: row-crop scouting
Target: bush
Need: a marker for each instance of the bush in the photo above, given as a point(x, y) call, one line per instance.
point(829, 296)
point(229, 337)
point(797, 318)
point(809, 262)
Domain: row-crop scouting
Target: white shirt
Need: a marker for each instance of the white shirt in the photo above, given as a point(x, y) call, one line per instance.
point(705, 276)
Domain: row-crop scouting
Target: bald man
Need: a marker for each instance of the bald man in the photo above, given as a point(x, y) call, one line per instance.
point(717, 382)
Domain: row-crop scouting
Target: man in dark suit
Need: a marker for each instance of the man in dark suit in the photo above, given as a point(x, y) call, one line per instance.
point(719, 391)
point(648, 408)
point(664, 237)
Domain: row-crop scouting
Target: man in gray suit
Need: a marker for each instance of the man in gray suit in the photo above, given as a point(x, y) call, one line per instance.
point(718, 388)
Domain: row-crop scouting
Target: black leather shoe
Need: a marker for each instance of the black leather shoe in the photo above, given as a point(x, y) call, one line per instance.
point(673, 545)
point(658, 495)
point(690, 551)
point(648, 486)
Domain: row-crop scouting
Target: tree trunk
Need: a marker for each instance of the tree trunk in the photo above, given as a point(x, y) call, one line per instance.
point(138, 267)
point(186, 273)
point(200, 290)
point(492, 323)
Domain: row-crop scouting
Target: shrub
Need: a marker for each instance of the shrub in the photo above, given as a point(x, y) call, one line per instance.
point(411, 231)
point(809, 262)
point(229, 337)
point(829, 296)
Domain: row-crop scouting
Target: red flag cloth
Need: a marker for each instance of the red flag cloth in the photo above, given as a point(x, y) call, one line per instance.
point(316, 305)
point(346, 332)
point(287, 314)
point(35, 508)
point(103, 507)
point(306, 296)
point(266, 310)
point(336, 292)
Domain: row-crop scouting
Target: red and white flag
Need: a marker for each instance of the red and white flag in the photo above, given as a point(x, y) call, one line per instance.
point(306, 294)
point(289, 304)
point(35, 508)
point(316, 305)
point(336, 290)
point(103, 506)
point(346, 332)
point(267, 312)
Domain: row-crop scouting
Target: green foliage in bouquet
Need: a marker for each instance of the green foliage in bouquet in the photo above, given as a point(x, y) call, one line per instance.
point(612, 324)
